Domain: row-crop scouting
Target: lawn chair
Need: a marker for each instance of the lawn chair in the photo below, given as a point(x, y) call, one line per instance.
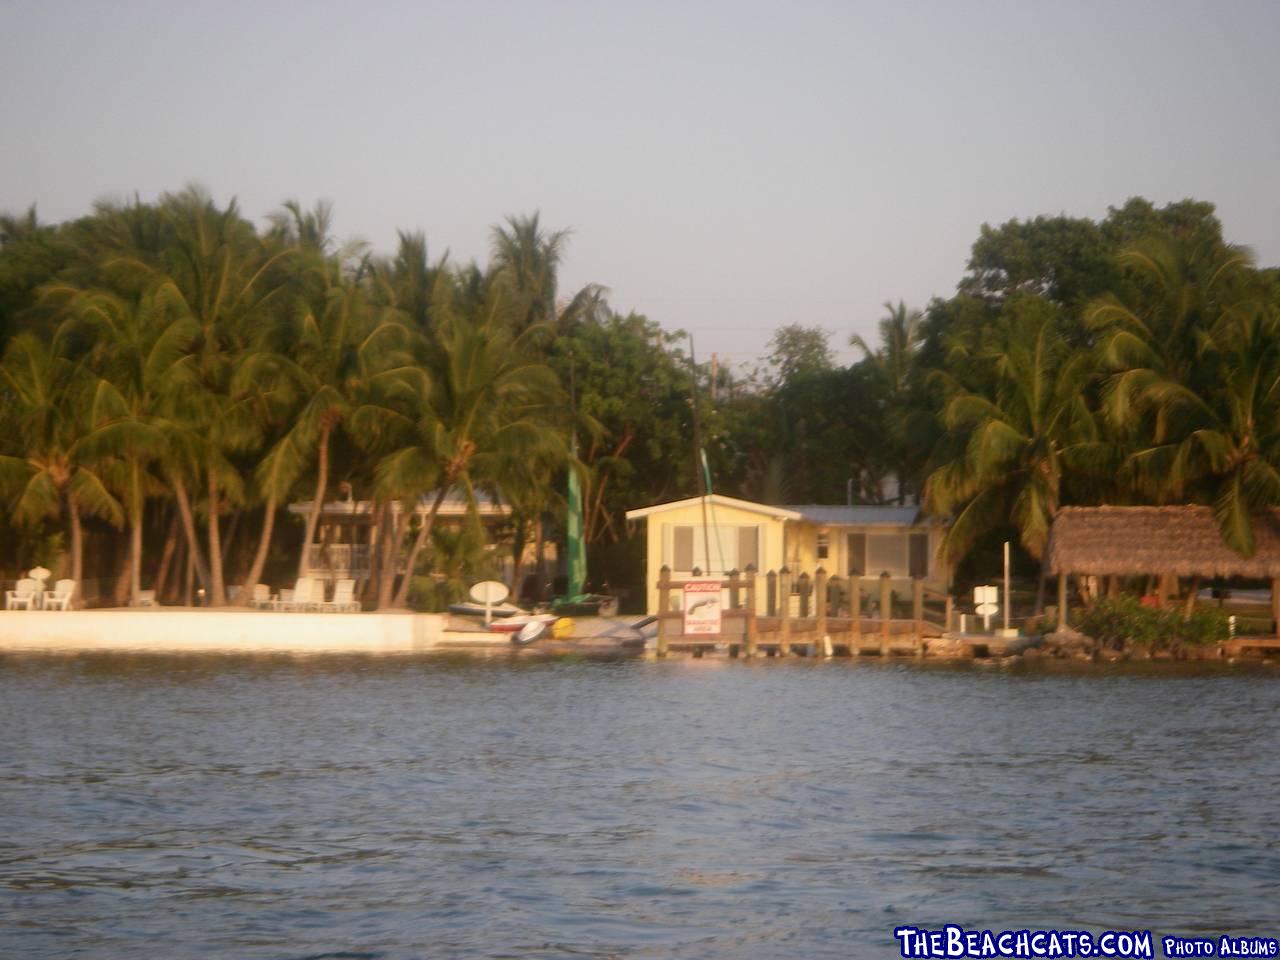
point(23, 596)
point(305, 595)
point(344, 600)
point(59, 598)
point(260, 597)
point(146, 598)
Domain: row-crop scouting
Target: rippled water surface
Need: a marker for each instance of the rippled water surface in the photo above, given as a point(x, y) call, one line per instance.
point(222, 807)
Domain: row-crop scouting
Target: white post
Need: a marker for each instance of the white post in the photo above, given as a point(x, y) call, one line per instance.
point(1006, 585)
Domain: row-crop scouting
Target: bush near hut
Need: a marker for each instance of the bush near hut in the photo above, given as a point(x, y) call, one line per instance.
point(1124, 622)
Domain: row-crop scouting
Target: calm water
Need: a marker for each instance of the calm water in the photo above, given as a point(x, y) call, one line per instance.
point(211, 807)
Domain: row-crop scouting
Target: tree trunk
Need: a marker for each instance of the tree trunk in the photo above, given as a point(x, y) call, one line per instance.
point(392, 545)
point(369, 591)
point(166, 557)
point(540, 560)
point(264, 547)
point(317, 503)
point(194, 553)
point(217, 591)
point(517, 559)
point(1041, 588)
point(77, 548)
point(228, 544)
point(135, 560)
point(1191, 598)
point(402, 595)
point(191, 576)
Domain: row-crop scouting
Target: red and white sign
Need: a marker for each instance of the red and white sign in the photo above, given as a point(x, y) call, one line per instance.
point(702, 607)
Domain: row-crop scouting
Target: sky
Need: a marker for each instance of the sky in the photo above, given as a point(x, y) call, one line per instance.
point(725, 168)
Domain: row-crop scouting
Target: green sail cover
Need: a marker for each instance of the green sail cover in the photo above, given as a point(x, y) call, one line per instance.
point(577, 557)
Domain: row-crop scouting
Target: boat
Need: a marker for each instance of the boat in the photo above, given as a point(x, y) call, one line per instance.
point(478, 610)
point(515, 624)
point(586, 605)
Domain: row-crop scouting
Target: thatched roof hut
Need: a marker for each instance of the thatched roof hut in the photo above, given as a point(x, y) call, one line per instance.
point(1184, 541)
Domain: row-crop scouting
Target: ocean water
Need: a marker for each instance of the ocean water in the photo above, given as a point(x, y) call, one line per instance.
point(432, 807)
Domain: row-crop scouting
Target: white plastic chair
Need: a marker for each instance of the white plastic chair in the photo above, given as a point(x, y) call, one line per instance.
point(344, 600)
point(261, 596)
point(303, 596)
point(23, 596)
point(59, 598)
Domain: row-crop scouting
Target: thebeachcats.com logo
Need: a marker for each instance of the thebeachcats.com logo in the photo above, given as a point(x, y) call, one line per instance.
point(956, 943)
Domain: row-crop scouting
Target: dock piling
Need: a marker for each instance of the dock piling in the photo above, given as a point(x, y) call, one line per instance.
point(886, 614)
point(784, 590)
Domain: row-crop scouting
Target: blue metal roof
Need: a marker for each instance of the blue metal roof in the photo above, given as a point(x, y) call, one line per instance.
point(859, 516)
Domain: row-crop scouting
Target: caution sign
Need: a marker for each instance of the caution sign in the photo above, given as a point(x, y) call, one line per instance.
point(702, 607)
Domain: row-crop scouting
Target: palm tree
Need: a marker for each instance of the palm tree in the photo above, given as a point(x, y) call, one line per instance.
point(1156, 338)
point(1006, 451)
point(482, 401)
point(528, 260)
point(343, 349)
point(895, 374)
point(47, 403)
point(141, 357)
point(231, 285)
point(1226, 448)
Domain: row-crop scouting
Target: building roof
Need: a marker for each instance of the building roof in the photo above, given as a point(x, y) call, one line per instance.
point(1183, 540)
point(719, 500)
point(453, 505)
point(858, 516)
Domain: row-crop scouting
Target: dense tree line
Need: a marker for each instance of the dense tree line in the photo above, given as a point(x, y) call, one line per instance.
point(174, 375)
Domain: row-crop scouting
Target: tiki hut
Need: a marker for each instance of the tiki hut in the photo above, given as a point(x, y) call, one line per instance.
point(1181, 541)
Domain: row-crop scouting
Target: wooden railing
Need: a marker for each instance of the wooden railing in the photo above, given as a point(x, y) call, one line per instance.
point(829, 607)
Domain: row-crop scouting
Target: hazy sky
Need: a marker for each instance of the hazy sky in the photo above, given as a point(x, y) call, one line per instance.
point(726, 167)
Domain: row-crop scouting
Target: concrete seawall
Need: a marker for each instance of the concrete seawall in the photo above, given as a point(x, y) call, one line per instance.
point(170, 630)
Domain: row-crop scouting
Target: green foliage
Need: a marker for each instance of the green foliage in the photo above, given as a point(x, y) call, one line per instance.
point(172, 355)
point(1124, 622)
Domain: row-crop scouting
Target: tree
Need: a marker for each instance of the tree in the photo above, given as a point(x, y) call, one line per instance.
point(482, 400)
point(48, 399)
point(1004, 457)
point(904, 429)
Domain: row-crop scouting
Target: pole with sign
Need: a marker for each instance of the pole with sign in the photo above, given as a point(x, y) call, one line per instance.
point(986, 604)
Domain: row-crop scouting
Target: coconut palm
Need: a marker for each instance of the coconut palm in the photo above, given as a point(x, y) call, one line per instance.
point(483, 400)
point(1006, 452)
point(895, 375)
point(527, 260)
point(47, 399)
point(1225, 443)
point(141, 357)
point(1155, 339)
point(343, 350)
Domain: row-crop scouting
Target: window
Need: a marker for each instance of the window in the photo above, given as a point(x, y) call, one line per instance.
point(732, 547)
point(887, 551)
point(857, 554)
point(919, 555)
point(824, 546)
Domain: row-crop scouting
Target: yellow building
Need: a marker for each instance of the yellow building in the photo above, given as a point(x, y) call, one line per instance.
point(717, 534)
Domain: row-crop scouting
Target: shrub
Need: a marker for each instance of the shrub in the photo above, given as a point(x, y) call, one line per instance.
point(1124, 622)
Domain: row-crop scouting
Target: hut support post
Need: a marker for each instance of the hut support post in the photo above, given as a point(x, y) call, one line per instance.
point(664, 606)
point(1062, 599)
point(948, 614)
point(820, 588)
point(784, 612)
point(886, 613)
point(1275, 605)
point(753, 628)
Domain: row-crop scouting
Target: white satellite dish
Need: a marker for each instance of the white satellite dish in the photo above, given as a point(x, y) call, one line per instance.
point(489, 592)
